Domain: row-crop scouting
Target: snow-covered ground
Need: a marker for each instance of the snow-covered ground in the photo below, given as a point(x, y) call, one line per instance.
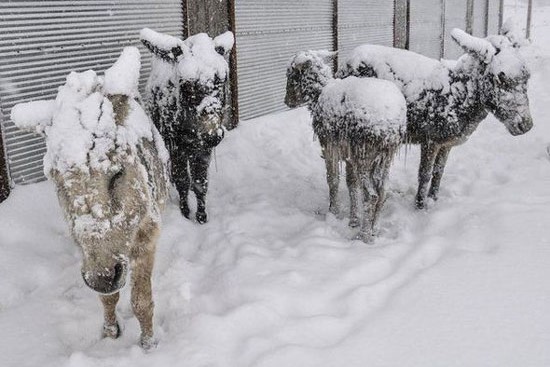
point(272, 281)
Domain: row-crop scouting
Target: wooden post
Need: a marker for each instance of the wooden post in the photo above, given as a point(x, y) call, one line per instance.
point(470, 17)
point(500, 15)
point(4, 177)
point(234, 85)
point(335, 44)
point(529, 14)
point(442, 33)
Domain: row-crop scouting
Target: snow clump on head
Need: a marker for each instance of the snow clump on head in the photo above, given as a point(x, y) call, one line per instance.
point(80, 127)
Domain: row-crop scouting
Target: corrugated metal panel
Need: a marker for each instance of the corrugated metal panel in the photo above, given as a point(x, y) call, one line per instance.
point(479, 21)
point(268, 33)
point(361, 22)
point(455, 17)
point(42, 41)
point(494, 16)
point(426, 27)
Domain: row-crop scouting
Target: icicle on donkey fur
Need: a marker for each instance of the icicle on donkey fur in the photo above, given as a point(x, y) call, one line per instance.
point(359, 121)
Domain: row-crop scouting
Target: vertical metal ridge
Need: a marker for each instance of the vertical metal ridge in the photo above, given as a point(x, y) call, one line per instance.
point(268, 33)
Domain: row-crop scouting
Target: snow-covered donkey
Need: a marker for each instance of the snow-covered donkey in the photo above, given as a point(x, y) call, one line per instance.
point(186, 99)
point(109, 166)
point(446, 101)
point(359, 121)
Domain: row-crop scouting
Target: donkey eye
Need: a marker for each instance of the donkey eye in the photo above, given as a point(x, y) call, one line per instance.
point(115, 178)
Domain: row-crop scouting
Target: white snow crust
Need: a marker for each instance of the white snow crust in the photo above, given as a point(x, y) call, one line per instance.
point(199, 60)
point(413, 73)
point(376, 106)
point(82, 131)
point(123, 76)
point(481, 47)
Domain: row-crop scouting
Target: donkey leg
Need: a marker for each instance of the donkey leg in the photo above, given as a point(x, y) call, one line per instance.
point(439, 167)
point(142, 268)
point(333, 179)
point(180, 174)
point(111, 328)
point(370, 199)
point(353, 187)
point(380, 178)
point(428, 152)
point(199, 163)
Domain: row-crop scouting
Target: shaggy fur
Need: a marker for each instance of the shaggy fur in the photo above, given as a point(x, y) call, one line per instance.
point(113, 208)
point(188, 113)
point(366, 143)
point(454, 99)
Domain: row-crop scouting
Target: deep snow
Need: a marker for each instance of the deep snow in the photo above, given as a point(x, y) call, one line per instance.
point(271, 281)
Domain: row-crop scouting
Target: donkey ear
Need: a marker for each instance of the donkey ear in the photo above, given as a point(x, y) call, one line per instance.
point(477, 47)
point(164, 46)
point(224, 43)
point(330, 56)
point(509, 30)
point(34, 116)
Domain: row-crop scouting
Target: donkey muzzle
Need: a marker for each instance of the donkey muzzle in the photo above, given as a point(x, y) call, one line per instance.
point(108, 280)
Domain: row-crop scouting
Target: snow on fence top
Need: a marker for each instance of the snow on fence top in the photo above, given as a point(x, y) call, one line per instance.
point(80, 127)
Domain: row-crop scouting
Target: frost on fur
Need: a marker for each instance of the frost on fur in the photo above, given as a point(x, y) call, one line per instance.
point(108, 164)
point(447, 100)
point(359, 121)
point(186, 99)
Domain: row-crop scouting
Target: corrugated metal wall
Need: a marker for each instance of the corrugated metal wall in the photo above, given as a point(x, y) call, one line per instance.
point(494, 16)
point(426, 27)
point(42, 41)
point(455, 17)
point(268, 33)
point(479, 19)
point(361, 22)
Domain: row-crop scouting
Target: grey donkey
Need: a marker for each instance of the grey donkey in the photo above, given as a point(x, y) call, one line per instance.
point(186, 99)
point(446, 101)
point(109, 167)
point(358, 121)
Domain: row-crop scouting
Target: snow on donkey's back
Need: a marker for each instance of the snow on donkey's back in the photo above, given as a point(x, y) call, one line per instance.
point(108, 164)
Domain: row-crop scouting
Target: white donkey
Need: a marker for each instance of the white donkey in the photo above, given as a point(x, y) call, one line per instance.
point(108, 164)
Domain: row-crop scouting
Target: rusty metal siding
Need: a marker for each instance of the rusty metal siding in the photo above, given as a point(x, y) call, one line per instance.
point(42, 41)
point(361, 22)
point(426, 27)
point(268, 33)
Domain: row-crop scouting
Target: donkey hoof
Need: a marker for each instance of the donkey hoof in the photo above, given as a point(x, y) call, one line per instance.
point(202, 217)
point(184, 208)
point(111, 331)
point(364, 237)
point(420, 204)
point(354, 222)
point(148, 342)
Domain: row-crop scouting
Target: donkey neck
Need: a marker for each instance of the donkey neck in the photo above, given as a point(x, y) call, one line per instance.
point(316, 84)
point(469, 90)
